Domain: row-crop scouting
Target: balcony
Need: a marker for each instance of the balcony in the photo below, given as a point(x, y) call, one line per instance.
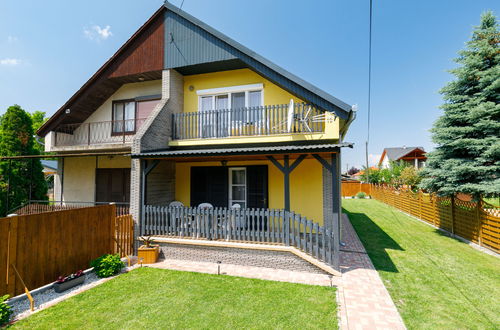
point(110, 133)
point(272, 120)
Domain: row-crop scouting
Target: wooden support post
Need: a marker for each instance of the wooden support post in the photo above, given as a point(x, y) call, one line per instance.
point(479, 221)
point(31, 178)
point(286, 169)
point(452, 206)
point(8, 188)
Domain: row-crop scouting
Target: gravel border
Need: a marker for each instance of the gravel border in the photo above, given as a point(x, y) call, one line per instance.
point(45, 296)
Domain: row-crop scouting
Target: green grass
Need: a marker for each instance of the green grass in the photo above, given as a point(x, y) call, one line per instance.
point(436, 282)
point(492, 200)
point(163, 299)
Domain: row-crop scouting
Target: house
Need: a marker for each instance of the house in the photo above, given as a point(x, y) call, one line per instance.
point(49, 170)
point(183, 113)
point(414, 156)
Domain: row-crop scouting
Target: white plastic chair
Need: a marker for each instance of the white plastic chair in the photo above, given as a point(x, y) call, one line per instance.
point(176, 204)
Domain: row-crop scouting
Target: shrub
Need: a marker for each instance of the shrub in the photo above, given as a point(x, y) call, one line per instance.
point(107, 265)
point(361, 195)
point(5, 311)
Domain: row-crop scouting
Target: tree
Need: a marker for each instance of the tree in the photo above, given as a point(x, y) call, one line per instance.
point(38, 119)
point(24, 177)
point(352, 170)
point(467, 135)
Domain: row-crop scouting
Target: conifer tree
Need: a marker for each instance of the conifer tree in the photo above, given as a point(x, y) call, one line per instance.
point(467, 135)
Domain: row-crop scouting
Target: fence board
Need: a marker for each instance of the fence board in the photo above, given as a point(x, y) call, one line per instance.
point(50, 244)
point(474, 221)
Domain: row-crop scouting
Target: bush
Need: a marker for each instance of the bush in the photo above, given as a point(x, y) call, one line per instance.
point(107, 265)
point(4, 311)
point(361, 195)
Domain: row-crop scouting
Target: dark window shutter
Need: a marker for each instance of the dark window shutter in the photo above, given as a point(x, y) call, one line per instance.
point(209, 185)
point(257, 186)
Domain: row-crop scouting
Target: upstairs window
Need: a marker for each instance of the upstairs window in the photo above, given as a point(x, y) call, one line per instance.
point(124, 117)
point(243, 101)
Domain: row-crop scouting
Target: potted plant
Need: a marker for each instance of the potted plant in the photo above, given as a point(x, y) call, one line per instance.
point(65, 283)
point(148, 253)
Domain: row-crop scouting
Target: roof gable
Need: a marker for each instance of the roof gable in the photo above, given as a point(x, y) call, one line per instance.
point(190, 42)
point(399, 152)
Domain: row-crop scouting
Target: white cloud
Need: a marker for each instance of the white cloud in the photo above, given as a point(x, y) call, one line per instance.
point(97, 33)
point(10, 61)
point(12, 39)
point(373, 159)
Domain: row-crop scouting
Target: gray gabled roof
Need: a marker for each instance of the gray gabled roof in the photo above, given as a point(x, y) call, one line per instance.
point(220, 51)
point(398, 152)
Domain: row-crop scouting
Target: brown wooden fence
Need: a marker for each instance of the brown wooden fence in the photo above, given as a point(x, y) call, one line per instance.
point(50, 244)
point(350, 189)
point(477, 222)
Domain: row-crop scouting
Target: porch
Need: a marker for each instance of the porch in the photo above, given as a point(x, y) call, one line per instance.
point(244, 195)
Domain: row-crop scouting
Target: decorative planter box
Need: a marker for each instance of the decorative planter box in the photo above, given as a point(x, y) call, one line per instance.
point(149, 255)
point(60, 287)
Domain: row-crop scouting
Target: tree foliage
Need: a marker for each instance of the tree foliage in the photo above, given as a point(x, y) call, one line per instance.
point(397, 174)
point(23, 177)
point(352, 170)
point(38, 118)
point(467, 135)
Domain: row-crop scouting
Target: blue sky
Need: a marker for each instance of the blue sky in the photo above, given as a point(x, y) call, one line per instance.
point(49, 49)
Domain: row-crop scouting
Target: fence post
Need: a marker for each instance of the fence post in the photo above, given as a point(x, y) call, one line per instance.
point(452, 204)
point(479, 221)
point(11, 254)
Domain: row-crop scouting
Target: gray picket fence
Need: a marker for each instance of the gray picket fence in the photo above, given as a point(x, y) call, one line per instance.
point(244, 225)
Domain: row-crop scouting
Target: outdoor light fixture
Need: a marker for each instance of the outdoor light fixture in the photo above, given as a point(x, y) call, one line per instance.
point(218, 267)
point(223, 162)
point(68, 111)
point(141, 78)
point(191, 88)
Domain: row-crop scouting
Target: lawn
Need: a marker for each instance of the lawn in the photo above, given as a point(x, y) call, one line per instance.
point(435, 281)
point(156, 298)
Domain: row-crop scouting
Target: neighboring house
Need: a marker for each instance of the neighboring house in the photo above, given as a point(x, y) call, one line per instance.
point(183, 113)
point(49, 170)
point(414, 156)
point(358, 175)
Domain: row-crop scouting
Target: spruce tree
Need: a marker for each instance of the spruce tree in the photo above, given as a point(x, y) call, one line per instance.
point(467, 135)
point(23, 175)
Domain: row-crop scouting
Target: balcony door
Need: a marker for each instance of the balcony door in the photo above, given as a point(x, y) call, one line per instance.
point(112, 185)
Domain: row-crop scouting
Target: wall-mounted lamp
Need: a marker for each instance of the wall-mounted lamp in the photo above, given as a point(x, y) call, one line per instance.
point(223, 162)
point(191, 88)
point(67, 111)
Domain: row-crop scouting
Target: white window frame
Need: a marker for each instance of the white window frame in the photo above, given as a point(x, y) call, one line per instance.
point(214, 92)
point(231, 201)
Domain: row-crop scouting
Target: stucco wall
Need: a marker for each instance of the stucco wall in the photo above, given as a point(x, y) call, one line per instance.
point(306, 185)
point(127, 91)
point(79, 176)
point(272, 93)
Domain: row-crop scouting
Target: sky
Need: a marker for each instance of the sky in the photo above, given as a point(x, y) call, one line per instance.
point(49, 49)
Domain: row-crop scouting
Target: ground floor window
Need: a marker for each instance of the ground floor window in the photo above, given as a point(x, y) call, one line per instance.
point(237, 186)
point(112, 185)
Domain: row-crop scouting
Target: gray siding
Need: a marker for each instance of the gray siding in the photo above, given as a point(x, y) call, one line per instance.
point(187, 44)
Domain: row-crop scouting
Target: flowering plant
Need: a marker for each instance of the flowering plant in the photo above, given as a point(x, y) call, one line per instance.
point(62, 279)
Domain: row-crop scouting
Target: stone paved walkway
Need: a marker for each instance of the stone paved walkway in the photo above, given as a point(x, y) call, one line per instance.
point(363, 300)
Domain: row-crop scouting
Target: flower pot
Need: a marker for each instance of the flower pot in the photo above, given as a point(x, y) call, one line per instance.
point(149, 255)
point(60, 287)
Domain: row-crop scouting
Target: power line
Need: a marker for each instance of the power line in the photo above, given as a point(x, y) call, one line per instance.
point(369, 89)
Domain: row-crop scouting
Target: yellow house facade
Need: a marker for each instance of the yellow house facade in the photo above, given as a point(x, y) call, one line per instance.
point(197, 135)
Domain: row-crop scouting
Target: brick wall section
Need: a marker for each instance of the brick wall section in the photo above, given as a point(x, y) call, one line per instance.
point(155, 134)
point(235, 256)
